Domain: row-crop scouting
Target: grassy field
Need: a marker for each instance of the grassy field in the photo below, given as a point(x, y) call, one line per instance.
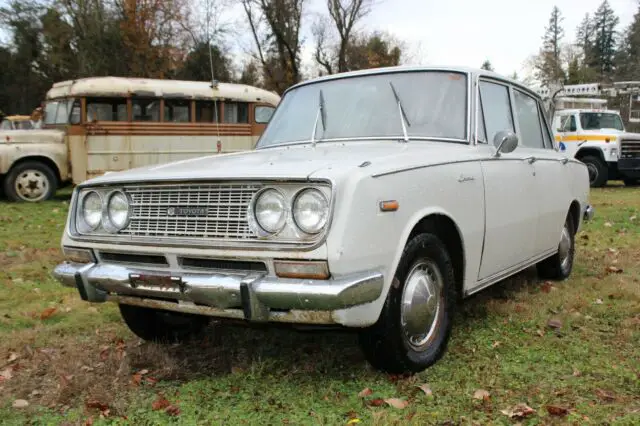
point(570, 351)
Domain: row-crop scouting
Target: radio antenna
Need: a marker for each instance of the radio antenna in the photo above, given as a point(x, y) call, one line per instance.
point(214, 82)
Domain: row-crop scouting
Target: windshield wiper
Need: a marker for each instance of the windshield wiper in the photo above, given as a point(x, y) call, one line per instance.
point(403, 116)
point(320, 115)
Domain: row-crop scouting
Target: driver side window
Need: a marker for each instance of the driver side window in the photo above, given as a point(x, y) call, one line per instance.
point(496, 109)
point(569, 124)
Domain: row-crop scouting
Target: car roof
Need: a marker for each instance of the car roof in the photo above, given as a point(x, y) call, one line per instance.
point(412, 68)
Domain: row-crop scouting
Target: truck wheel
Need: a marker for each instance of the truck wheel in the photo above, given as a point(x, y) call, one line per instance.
point(559, 266)
point(160, 326)
point(631, 182)
point(414, 326)
point(598, 172)
point(30, 181)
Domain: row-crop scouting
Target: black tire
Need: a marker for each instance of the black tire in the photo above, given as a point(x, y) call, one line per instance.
point(385, 344)
point(160, 326)
point(42, 186)
point(598, 170)
point(559, 266)
point(631, 182)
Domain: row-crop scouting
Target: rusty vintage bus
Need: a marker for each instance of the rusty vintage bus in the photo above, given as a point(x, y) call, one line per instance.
point(95, 125)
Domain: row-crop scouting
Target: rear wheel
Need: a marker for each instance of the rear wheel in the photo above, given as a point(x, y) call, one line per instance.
point(30, 181)
point(414, 326)
point(598, 171)
point(160, 326)
point(559, 266)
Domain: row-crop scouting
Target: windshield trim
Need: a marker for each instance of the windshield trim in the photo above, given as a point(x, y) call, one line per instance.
point(468, 77)
point(367, 139)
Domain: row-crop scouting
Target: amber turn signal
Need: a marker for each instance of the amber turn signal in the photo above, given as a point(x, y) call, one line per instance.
point(310, 269)
point(78, 255)
point(389, 206)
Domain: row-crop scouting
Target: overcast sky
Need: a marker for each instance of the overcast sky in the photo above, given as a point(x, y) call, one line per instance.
point(466, 32)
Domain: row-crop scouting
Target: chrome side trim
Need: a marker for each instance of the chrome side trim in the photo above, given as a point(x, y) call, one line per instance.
point(499, 276)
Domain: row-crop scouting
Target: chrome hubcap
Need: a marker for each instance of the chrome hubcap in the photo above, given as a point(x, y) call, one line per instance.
point(31, 185)
point(593, 172)
point(564, 249)
point(421, 304)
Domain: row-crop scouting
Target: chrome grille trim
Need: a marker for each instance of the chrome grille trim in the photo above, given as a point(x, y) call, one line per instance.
point(226, 205)
point(630, 148)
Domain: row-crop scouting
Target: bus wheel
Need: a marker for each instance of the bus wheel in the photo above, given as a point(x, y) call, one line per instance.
point(598, 172)
point(30, 181)
point(631, 182)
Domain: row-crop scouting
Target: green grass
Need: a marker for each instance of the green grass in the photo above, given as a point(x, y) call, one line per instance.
point(81, 360)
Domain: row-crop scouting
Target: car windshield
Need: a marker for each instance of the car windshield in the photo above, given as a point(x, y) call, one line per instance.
point(427, 104)
point(600, 120)
point(57, 112)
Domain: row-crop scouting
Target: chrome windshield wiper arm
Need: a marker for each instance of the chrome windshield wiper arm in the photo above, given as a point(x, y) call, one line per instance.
point(404, 121)
point(322, 115)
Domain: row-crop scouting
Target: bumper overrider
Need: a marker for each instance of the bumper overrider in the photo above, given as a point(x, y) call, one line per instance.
point(588, 212)
point(253, 296)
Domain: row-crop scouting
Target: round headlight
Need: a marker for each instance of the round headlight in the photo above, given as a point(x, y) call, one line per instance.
point(269, 210)
point(92, 210)
point(310, 211)
point(118, 209)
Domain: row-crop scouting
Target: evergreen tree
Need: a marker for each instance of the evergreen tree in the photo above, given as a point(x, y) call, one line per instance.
point(486, 65)
point(628, 59)
point(604, 47)
point(549, 63)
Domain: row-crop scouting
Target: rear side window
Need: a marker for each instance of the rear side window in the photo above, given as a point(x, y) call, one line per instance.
point(236, 112)
point(106, 109)
point(177, 111)
point(496, 109)
point(146, 109)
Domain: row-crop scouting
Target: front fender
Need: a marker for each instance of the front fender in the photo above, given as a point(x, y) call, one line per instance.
point(13, 153)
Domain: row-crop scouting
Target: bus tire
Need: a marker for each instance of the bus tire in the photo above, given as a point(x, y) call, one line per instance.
point(31, 181)
point(598, 171)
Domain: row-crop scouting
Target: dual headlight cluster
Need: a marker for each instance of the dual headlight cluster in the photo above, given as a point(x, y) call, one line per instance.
point(107, 211)
point(272, 208)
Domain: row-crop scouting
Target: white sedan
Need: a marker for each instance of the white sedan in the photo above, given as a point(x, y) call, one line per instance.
point(373, 200)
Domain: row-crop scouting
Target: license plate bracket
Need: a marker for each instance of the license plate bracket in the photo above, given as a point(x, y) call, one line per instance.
point(156, 281)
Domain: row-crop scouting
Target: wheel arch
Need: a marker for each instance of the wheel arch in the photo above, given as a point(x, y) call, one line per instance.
point(590, 150)
point(39, 159)
point(574, 212)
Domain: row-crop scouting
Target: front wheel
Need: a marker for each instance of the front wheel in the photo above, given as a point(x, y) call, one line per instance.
point(598, 171)
point(160, 326)
point(30, 181)
point(414, 325)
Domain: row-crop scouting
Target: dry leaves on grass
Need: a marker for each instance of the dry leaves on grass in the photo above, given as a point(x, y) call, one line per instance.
point(518, 411)
point(556, 410)
point(397, 403)
point(426, 389)
point(481, 395)
point(160, 403)
point(20, 403)
point(365, 392)
point(47, 313)
point(614, 270)
point(605, 395)
point(554, 323)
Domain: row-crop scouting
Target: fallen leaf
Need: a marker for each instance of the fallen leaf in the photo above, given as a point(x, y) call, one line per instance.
point(35, 392)
point(6, 374)
point(540, 333)
point(608, 225)
point(47, 313)
point(94, 403)
point(89, 422)
point(375, 402)
point(12, 357)
point(554, 323)
point(576, 373)
point(632, 218)
point(605, 395)
point(481, 395)
point(104, 353)
point(20, 403)
point(612, 250)
point(365, 392)
point(172, 410)
point(160, 403)
point(354, 421)
point(546, 287)
point(519, 411)
point(555, 410)
point(151, 380)
point(496, 344)
point(397, 403)
point(136, 379)
point(143, 372)
point(598, 302)
point(614, 270)
point(426, 389)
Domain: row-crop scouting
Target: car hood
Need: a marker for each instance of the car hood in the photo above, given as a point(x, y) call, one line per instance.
point(324, 161)
point(32, 136)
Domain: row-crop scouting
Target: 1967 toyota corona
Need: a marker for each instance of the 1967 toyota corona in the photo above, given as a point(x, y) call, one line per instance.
point(374, 200)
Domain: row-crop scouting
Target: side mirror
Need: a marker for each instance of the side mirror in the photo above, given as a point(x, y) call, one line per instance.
point(505, 141)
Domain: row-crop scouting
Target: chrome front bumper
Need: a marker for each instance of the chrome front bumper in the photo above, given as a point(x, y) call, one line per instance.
point(588, 213)
point(255, 297)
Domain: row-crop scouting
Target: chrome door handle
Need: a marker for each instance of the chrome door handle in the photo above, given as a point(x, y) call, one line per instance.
point(564, 160)
point(531, 160)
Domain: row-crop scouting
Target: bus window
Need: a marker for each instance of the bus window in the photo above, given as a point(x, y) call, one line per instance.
point(205, 112)
point(263, 114)
point(177, 111)
point(236, 112)
point(146, 109)
point(106, 109)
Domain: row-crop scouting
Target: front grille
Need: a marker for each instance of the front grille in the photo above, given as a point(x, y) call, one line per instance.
point(630, 148)
point(202, 211)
